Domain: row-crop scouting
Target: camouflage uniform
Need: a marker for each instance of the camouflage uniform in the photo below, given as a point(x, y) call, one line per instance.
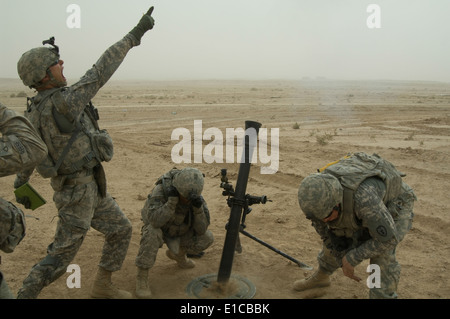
point(20, 147)
point(182, 227)
point(79, 183)
point(378, 215)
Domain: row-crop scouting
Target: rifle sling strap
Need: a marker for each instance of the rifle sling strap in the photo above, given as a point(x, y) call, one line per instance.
point(67, 147)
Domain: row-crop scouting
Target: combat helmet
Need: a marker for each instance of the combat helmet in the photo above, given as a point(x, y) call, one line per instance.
point(188, 180)
point(318, 193)
point(33, 64)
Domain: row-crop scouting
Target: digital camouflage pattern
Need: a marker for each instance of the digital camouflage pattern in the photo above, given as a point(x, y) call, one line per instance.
point(372, 230)
point(62, 109)
point(56, 113)
point(167, 219)
point(370, 209)
point(12, 226)
point(32, 66)
point(20, 147)
point(318, 194)
point(189, 180)
point(90, 210)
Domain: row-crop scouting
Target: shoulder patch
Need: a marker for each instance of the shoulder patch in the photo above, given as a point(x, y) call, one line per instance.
point(382, 231)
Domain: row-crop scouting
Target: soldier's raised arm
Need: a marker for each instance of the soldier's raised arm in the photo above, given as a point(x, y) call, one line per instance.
point(158, 209)
point(42, 69)
point(85, 89)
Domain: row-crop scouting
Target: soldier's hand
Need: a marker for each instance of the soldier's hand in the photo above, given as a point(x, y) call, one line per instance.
point(172, 191)
point(25, 201)
point(19, 181)
point(145, 23)
point(349, 270)
point(196, 200)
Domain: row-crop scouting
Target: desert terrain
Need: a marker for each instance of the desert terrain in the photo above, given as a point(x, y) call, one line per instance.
point(319, 121)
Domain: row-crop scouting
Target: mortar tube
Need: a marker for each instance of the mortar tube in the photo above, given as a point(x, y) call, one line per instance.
point(238, 203)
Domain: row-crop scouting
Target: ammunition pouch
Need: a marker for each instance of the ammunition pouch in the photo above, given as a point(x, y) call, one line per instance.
point(338, 245)
point(103, 145)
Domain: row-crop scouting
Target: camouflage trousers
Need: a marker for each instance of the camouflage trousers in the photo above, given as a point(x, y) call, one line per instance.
point(389, 266)
point(152, 239)
point(79, 208)
point(7, 212)
point(5, 292)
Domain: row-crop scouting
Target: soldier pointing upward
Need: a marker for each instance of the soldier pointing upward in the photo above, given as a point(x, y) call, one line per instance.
point(67, 122)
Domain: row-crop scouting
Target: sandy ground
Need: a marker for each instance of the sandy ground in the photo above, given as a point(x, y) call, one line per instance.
point(407, 123)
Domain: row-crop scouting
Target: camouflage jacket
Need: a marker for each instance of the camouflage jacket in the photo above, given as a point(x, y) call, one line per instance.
point(173, 217)
point(20, 145)
point(57, 112)
point(370, 230)
point(20, 148)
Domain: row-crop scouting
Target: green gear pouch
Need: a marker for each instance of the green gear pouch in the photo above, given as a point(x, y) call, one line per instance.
point(100, 178)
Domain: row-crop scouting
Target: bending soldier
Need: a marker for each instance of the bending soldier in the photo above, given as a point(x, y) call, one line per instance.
point(67, 122)
point(175, 213)
point(361, 209)
point(20, 148)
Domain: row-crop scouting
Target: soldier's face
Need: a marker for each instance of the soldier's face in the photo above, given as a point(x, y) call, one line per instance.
point(184, 200)
point(333, 215)
point(57, 72)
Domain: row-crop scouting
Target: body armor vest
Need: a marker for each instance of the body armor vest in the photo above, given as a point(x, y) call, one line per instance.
point(351, 171)
point(50, 115)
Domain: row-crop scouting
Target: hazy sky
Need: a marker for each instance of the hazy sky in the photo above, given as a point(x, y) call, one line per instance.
point(239, 39)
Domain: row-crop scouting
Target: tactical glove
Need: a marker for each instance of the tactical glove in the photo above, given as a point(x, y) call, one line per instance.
point(25, 201)
point(172, 191)
point(19, 181)
point(146, 23)
point(196, 200)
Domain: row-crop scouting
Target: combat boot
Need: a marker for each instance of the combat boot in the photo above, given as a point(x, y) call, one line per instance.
point(103, 287)
point(142, 288)
point(181, 259)
point(318, 279)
